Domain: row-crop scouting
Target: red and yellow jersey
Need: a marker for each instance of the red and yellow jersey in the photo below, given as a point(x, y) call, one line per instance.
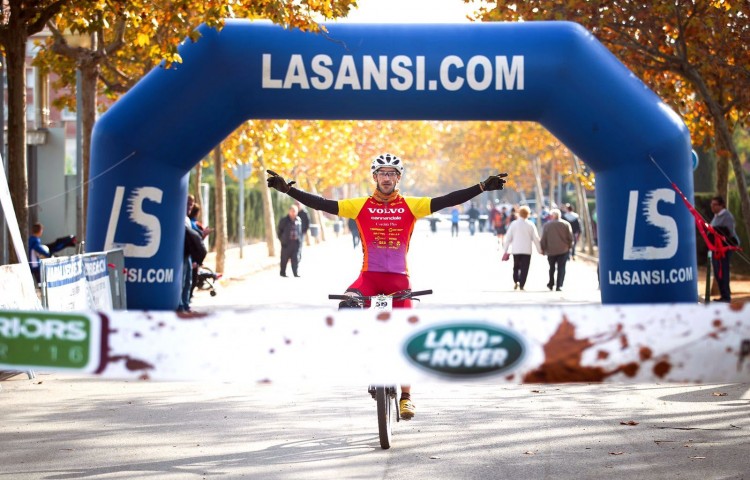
point(385, 229)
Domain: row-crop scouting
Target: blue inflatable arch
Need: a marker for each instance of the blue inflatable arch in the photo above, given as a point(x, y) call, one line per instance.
point(553, 73)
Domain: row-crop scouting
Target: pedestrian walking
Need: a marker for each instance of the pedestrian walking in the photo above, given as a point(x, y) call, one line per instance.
point(557, 238)
point(521, 234)
point(289, 232)
point(573, 219)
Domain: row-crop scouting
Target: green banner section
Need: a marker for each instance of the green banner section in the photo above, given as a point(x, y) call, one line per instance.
point(49, 340)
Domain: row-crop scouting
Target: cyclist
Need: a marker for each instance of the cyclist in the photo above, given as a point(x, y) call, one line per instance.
point(385, 221)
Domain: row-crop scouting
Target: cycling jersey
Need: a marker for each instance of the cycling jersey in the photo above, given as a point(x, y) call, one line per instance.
point(386, 229)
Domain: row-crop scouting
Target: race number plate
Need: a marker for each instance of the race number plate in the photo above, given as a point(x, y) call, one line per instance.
point(382, 303)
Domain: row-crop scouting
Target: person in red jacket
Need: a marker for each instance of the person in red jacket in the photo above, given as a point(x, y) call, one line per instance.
point(385, 221)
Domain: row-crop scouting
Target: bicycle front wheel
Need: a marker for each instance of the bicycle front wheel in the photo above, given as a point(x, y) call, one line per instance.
point(386, 411)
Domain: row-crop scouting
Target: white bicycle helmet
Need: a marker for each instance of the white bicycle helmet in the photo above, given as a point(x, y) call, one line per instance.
point(387, 160)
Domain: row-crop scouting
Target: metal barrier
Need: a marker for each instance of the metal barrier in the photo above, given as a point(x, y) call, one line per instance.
point(92, 281)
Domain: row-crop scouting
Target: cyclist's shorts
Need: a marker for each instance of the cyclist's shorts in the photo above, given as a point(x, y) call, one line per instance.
point(374, 283)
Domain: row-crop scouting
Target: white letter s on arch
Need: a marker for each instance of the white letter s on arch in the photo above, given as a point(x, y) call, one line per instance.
point(653, 217)
point(136, 214)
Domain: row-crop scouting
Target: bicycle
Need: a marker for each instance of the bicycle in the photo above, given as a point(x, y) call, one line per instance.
point(386, 396)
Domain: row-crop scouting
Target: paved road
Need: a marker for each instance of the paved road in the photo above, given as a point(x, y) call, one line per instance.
point(464, 270)
point(62, 427)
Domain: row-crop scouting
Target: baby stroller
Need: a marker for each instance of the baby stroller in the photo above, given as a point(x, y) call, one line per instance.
point(205, 279)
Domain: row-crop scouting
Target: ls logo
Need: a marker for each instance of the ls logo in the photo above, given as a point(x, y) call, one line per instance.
point(136, 215)
point(651, 213)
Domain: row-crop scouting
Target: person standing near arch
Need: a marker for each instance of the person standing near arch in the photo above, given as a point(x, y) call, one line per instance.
point(723, 222)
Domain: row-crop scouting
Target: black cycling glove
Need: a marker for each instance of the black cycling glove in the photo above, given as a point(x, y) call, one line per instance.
point(277, 181)
point(494, 182)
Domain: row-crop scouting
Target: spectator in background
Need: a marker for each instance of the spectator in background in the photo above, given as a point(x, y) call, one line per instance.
point(571, 217)
point(289, 232)
point(37, 250)
point(454, 222)
point(557, 238)
point(187, 262)
point(195, 223)
point(194, 217)
point(521, 234)
point(473, 218)
point(352, 223)
point(723, 222)
point(497, 223)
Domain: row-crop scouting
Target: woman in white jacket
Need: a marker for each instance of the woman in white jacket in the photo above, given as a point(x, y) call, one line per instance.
point(518, 239)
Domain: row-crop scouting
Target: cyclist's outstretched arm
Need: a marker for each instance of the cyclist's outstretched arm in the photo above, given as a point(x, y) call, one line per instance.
point(317, 202)
point(493, 182)
point(314, 201)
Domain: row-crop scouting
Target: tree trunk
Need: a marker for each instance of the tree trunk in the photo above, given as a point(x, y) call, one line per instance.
point(537, 166)
point(220, 210)
point(18, 180)
point(268, 215)
point(583, 209)
point(89, 77)
point(197, 179)
point(724, 145)
point(587, 226)
point(552, 182)
point(318, 215)
point(724, 138)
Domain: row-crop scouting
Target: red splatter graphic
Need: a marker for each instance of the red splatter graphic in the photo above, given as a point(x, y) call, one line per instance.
point(562, 359)
point(563, 354)
point(384, 316)
point(191, 315)
point(413, 319)
point(662, 368)
point(329, 321)
point(132, 364)
point(645, 353)
point(629, 370)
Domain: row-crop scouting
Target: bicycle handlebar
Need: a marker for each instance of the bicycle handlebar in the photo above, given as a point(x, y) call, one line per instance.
point(396, 296)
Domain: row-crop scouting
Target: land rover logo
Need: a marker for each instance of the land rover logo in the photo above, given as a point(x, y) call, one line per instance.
point(466, 349)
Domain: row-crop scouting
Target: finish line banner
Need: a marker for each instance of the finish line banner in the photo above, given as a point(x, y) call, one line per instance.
point(524, 344)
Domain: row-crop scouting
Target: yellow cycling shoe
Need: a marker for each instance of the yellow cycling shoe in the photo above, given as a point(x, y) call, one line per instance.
point(406, 409)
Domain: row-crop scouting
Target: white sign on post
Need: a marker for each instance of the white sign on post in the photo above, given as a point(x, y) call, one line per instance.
point(15, 233)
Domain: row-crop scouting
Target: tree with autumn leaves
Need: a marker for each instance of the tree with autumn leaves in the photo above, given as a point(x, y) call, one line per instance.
point(124, 41)
point(19, 20)
point(693, 53)
point(320, 155)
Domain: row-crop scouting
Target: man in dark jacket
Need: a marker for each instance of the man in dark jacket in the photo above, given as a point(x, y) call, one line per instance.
point(289, 232)
point(556, 241)
point(570, 216)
